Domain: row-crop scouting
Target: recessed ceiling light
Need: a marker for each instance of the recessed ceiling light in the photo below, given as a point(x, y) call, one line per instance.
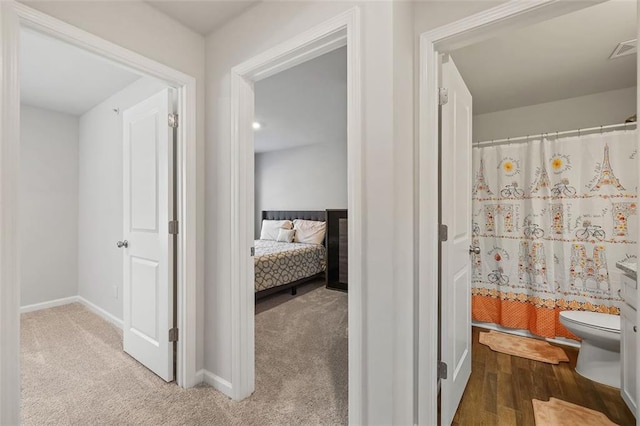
point(256, 125)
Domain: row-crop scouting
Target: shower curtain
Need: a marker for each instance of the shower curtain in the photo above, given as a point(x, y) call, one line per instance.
point(552, 216)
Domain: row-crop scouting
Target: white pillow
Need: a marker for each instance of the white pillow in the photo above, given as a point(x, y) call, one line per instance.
point(270, 228)
point(285, 235)
point(309, 231)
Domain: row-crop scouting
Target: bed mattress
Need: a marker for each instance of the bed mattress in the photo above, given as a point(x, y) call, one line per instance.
point(278, 263)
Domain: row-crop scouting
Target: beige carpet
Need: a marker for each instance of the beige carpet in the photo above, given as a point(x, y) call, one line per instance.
point(525, 347)
point(74, 370)
point(557, 412)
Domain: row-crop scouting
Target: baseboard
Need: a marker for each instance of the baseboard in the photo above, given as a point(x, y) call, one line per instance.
point(199, 378)
point(99, 311)
point(525, 333)
point(215, 382)
point(73, 299)
point(48, 304)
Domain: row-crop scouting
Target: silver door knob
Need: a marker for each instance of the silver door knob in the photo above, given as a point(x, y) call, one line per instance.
point(124, 244)
point(474, 250)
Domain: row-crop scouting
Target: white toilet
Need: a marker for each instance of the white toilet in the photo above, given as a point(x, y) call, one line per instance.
point(599, 356)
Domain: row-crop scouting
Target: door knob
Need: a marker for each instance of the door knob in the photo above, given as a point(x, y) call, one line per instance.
point(474, 250)
point(124, 244)
point(635, 328)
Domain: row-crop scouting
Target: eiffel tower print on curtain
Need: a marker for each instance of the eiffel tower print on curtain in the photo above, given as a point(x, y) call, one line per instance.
point(542, 181)
point(606, 174)
point(481, 187)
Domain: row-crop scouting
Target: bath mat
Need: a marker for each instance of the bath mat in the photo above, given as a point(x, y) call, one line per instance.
point(557, 412)
point(525, 347)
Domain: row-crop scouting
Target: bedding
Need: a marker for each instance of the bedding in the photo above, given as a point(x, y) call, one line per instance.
point(286, 235)
point(309, 231)
point(270, 228)
point(278, 263)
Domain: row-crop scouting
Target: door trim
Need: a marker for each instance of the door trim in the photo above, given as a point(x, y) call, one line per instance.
point(9, 267)
point(507, 16)
point(14, 15)
point(344, 29)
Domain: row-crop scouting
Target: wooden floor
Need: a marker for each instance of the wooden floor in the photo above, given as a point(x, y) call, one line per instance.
point(502, 386)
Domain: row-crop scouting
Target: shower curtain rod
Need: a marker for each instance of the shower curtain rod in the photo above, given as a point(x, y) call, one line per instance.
point(556, 134)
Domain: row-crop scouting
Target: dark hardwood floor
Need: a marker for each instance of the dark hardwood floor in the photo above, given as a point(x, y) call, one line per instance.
point(501, 387)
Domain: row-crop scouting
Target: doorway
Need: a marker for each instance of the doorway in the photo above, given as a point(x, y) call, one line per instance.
point(336, 33)
point(458, 35)
point(301, 244)
point(17, 16)
point(96, 184)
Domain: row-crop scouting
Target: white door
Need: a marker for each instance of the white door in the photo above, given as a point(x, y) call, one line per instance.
point(455, 323)
point(148, 255)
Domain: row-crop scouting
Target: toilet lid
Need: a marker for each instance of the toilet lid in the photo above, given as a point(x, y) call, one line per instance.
point(593, 319)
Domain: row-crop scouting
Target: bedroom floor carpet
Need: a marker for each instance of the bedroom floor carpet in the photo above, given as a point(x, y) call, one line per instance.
point(75, 372)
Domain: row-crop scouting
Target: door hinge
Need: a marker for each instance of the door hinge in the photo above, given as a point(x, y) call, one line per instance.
point(444, 232)
point(442, 370)
point(173, 227)
point(443, 96)
point(253, 251)
point(173, 334)
point(173, 120)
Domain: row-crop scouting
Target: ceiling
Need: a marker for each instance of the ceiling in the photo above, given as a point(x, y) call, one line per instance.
point(561, 58)
point(304, 105)
point(202, 17)
point(57, 76)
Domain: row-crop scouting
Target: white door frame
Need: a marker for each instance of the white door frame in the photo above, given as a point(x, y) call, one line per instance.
point(341, 30)
point(510, 15)
point(14, 15)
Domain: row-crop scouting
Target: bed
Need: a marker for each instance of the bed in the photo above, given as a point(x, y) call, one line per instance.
point(281, 265)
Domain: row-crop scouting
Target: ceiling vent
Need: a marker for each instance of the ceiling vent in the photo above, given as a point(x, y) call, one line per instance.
point(625, 48)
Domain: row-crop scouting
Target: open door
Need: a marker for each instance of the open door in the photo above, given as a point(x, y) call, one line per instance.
point(455, 317)
point(147, 244)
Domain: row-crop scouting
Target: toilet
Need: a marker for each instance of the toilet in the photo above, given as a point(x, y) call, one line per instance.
point(599, 356)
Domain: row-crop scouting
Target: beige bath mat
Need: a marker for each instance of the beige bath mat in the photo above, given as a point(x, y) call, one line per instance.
point(557, 412)
point(525, 347)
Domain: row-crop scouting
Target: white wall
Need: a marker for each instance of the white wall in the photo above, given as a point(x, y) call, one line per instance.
point(612, 107)
point(100, 197)
point(310, 177)
point(48, 226)
point(141, 28)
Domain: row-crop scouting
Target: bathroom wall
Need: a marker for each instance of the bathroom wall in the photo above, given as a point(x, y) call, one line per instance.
point(598, 109)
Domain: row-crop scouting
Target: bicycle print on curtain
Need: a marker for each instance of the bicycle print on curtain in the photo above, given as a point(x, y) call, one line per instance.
point(552, 216)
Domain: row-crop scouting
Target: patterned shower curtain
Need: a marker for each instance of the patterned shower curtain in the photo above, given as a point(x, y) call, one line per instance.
point(552, 216)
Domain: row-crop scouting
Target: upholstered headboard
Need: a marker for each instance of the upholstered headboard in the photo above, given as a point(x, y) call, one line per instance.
point(320, 215)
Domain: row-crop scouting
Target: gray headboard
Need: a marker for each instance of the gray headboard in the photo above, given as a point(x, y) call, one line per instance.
point(320, 215)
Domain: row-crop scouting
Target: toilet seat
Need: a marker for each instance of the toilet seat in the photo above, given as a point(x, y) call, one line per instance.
point(603, 322)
